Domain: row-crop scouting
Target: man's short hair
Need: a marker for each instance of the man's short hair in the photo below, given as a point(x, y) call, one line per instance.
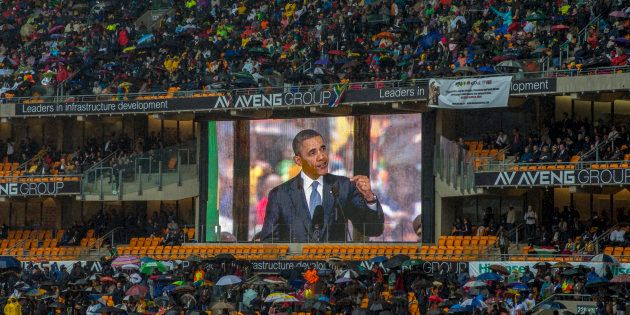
point(301, 136)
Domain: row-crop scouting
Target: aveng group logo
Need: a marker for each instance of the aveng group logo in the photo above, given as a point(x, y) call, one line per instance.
point(471, 82)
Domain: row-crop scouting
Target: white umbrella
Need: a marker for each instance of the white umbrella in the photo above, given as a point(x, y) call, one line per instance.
point(130, 267)
point(135, 278)
point(228, 280)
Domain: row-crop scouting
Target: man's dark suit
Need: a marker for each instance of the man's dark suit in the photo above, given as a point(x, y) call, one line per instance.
point(287, 217)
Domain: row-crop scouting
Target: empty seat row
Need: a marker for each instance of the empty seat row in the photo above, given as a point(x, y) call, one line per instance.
point(35, 234)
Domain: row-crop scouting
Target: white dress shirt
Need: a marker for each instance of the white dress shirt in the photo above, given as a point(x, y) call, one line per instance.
point(307, 183)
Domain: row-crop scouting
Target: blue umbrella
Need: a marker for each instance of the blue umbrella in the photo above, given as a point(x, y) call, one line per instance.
point(9, 262)
point(94, 297)
point(145, 38)
point(322, 62)
point(601, 281)
point(519, 286)
point(170, 288)
point(458, 308)
point(489, 276)
point(605, 259)
point(378, 259)
point(486, 69)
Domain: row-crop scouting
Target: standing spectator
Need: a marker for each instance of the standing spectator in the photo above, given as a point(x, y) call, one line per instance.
point(503, 243)
point(510, 219)
point(531, 218)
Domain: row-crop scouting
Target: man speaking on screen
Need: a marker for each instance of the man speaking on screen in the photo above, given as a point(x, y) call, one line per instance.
point(315, 206)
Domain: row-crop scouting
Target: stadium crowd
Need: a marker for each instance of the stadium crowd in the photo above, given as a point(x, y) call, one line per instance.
point(129, 284)
point(566, 233)
point(47, 159)
point(559, 141)
point(97, 47)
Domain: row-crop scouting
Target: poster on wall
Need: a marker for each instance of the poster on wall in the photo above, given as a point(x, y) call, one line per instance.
point(470, 92)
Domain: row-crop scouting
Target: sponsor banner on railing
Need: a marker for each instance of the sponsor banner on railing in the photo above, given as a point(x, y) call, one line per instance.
point(476, 268)
point(583, 177)
point(117, 107)
point(30, 189)
point(315, 97)
point(533, 86)
point(468, 93)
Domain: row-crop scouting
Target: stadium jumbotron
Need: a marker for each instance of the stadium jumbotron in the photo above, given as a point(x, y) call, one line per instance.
point(326, 157)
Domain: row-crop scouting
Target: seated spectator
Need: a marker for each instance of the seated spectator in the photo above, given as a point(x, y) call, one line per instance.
point(617, 236)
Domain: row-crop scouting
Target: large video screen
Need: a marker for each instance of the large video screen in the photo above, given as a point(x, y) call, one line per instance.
point(395, 168)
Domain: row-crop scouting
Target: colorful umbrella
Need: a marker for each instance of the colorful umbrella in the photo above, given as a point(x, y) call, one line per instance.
point(474, 284)
point(148, 267)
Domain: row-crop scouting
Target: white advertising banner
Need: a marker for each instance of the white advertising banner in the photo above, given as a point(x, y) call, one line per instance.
point(470, 92)
point(476, 268)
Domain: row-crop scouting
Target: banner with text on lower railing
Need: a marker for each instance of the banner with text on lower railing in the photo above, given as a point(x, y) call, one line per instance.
point(538, 178)
point(316, 96)
point(39, 186)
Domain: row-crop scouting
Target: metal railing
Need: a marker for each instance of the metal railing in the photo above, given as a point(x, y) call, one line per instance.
point(302, 88)
point(456, 165)
point(392, 232)
point(580, 39)
point(101, 240)
point(136, 173)
point(599, 240)
point(514, 167)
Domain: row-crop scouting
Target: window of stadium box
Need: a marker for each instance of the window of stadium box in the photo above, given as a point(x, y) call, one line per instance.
point(395, 165)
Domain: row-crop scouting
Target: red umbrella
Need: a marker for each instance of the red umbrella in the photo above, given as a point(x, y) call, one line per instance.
point(108, 279)
point(56, 29)
point(137, 290)
point(337, 52)
point(623, 278)
point(559, 27)
point(618, 14)
point(435, 298)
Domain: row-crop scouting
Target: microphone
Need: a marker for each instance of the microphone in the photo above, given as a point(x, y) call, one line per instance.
point(317, 222)
point(334, 190)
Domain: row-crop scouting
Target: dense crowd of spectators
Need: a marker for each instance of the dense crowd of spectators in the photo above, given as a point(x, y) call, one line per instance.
point(223, 285)
point(99, 47)
point(561, 140)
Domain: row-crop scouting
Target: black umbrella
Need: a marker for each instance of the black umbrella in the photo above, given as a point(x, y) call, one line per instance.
point(224, 257)
point(57, 305)
point(396, 261)
point(184, 289)
point(541, 264)
point(320, 306)
point(110, 309)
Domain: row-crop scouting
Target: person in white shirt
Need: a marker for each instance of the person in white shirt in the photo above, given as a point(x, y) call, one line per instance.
point(617, 236)
point(531, 218)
